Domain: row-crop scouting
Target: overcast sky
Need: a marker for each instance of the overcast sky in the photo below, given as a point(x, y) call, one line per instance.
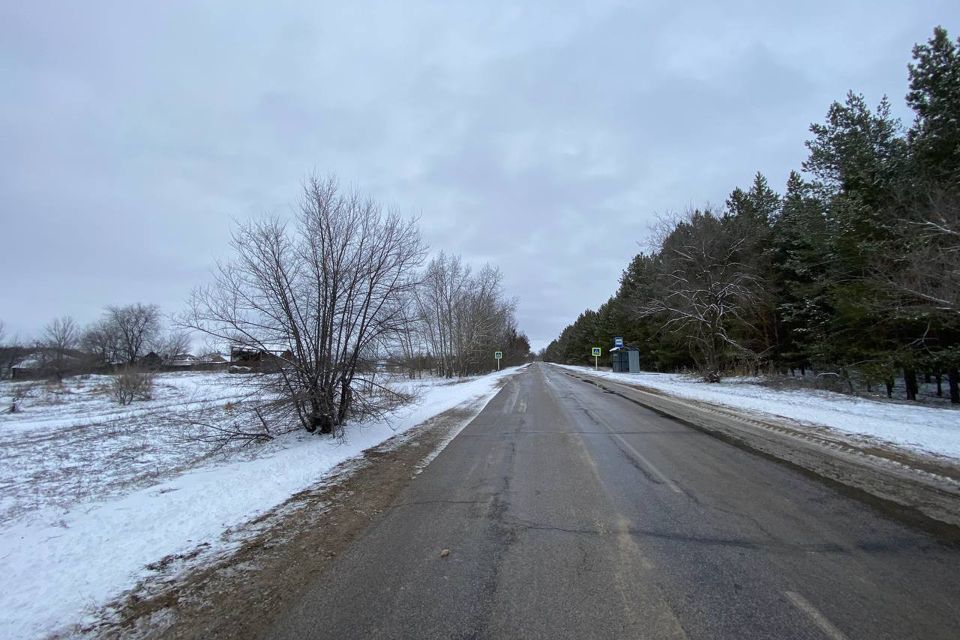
point(542, 138)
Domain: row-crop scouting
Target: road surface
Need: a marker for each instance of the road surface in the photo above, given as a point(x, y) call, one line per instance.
point(569, 512)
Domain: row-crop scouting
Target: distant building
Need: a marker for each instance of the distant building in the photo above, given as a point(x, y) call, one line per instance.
point(151, 361)
point(182, 360)
point(214, 358)
point(27, 368)
point(48, 363)
point(259, 359)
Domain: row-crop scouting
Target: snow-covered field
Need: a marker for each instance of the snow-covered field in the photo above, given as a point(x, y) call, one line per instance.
point(929, 430)
point(72, 443)
point(92, 494)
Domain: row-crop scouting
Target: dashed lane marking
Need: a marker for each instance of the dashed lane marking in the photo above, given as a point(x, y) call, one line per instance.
point(818, 618)
point(636, 454)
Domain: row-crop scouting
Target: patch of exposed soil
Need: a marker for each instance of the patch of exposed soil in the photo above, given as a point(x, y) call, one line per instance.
point(241, 595)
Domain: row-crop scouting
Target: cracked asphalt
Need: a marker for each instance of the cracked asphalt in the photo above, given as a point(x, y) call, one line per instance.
point(569, 512)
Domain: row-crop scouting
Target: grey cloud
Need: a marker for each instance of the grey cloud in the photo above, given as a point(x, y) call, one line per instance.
point(542, 138)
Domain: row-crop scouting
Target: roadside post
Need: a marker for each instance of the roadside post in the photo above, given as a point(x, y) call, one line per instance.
point(596, 356)
point(499, 356)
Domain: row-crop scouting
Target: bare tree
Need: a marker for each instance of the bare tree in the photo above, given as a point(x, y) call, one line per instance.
point(703, 290)
point(929, 272)
point(484, 318)
point(323, 293)
point(925, 280)
point(438, 298)
point(60, 337)
point(61, 334)
point(10, 352)
point(410, 347)
point(463, 316)
point(136, 326)
point(101, 342)
point(171, 344)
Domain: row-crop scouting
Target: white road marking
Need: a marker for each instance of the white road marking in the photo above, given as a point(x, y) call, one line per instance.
point(818, 618)
point(626, 541)
point(523, 406)
point(646, 462)
point(514, 394)
point(636, 454)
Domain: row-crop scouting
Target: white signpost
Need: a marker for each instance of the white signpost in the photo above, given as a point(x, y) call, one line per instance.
point(596, 356)
point(499, 356)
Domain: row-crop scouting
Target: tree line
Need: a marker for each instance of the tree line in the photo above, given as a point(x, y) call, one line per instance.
point(329, 298)
point(119, 338)
point(460, 318)
point(339, 290)
point(854, 269)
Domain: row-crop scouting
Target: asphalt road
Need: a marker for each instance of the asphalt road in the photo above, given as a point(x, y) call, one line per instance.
point(573, 513)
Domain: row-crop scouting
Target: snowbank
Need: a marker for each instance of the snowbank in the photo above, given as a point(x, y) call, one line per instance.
point(924, 429)
point(59, 567)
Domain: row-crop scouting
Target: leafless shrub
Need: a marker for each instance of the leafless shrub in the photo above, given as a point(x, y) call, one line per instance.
point(220, 435)
point(131, 384)
point(317, 299)
point(54, 392)
point(20, 393)
point(379, 398)
point(236, 425)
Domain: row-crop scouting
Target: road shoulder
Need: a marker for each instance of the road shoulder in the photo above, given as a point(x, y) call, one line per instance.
point(289, 549)
point(923, 491)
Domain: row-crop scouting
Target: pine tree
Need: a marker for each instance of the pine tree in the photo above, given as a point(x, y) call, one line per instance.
point(935, 97)
point(799, 274)
point(927, 273)
point(754, 212)
point(855, 269)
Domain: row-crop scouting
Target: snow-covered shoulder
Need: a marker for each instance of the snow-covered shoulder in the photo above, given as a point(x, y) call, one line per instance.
point(928, 430)
point(60, 566)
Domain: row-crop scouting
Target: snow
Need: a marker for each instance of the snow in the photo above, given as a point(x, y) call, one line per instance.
point(927, 430)
point(72, 443)
point(62, 562)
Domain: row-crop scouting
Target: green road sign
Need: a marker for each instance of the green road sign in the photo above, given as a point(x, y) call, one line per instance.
point(498, 355)
point(597, 352)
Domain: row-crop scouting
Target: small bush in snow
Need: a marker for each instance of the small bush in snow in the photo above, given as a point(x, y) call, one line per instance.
point(131, 384)
point(20, 393)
